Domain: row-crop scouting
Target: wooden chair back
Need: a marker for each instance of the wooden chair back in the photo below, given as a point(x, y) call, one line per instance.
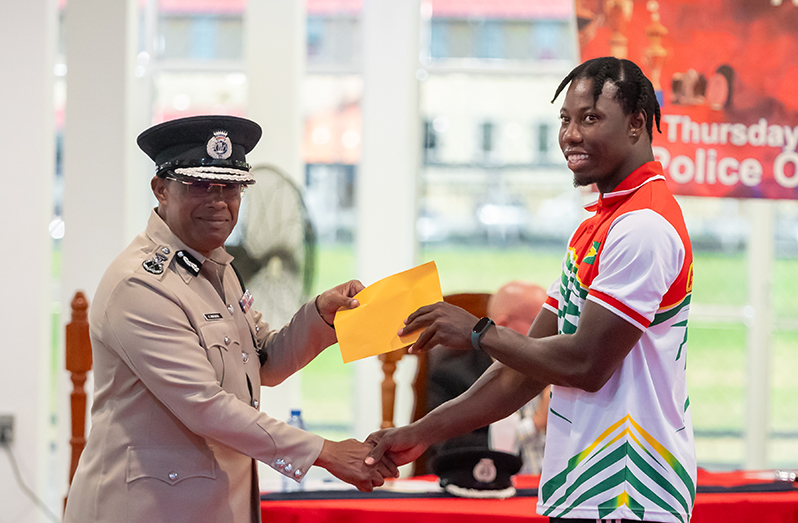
point(78, 363)
point(476, 304)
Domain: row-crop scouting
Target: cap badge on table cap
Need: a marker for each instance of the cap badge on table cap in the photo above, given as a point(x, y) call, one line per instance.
point(485, 470)
point(477, 472)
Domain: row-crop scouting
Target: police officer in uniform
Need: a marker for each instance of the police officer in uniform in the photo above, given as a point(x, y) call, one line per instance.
point(180, 354)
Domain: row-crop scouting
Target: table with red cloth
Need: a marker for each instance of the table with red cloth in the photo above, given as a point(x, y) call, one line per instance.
point(722, 497)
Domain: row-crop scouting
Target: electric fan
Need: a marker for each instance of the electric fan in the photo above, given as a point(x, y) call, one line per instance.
point(274, 245)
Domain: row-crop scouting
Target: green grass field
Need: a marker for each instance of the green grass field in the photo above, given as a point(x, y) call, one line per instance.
point(716, 352)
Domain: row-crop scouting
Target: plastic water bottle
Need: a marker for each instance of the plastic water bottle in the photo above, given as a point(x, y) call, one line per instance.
point(295, 420)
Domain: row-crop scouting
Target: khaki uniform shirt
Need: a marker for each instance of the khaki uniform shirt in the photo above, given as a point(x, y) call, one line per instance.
point(175, 419)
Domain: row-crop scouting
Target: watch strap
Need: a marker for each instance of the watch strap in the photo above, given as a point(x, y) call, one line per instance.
point(479, 331)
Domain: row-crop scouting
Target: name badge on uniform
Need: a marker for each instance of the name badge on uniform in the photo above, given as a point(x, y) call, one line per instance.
point(211, 316)
point(246, 301)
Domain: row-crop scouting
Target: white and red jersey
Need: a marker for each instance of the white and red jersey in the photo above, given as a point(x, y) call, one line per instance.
point(627, 450)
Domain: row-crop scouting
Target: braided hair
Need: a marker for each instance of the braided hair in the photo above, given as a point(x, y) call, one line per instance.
point(634, 91)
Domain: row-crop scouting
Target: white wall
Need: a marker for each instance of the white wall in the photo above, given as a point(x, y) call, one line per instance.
point(106, 177)
point(27, 133)
point(100, 213)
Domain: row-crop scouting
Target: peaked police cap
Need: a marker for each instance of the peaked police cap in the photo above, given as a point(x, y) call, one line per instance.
point(477, 472)
point(202, 148)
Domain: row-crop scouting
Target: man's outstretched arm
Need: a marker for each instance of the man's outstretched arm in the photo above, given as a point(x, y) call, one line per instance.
point(585, 359)
point(499, 392)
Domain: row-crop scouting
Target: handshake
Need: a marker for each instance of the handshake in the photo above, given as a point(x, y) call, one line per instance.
point(366, 464)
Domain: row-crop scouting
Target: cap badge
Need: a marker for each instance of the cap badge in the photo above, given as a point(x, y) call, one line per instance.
point(485, 471)
point(219, 146)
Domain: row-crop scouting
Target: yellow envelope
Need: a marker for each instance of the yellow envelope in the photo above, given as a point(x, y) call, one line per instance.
point(371, 328)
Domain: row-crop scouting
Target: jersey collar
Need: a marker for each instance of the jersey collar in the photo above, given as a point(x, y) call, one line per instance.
point(648, 172)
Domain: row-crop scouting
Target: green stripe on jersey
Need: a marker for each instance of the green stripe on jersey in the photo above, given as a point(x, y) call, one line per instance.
point(603, 457)
point(609, 506)
point(670, 313)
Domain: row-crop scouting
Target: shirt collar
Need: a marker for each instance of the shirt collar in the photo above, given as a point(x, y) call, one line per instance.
point(161, 234)
point(648, 172)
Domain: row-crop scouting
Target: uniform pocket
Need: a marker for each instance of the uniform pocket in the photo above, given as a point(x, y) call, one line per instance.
point(171, 464)
point(220, 340)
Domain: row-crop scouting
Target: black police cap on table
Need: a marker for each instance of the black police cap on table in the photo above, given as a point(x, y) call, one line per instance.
point(202, 148)
point(477, 472)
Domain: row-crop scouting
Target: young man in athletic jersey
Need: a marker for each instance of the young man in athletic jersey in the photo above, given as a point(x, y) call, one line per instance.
point(611, 336)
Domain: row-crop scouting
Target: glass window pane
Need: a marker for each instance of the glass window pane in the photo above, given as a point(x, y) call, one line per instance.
point(496, 202)
point(201, 37)
point(175, 37)
point(490, 39)
point(331, 147)
point(229, 39)
point(439, 40)
point(517, 40)
point(552, 40)
point(333, 41)
point(460, 39)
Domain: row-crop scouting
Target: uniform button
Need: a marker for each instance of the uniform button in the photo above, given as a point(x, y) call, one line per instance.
point(280, 463)
point(226, 340)
point(257, 328)
point(297, 473)
point(255, 403)
point(244, 356)
point(230, 308)
point(165, 250)
point(289, 468)
point(173, 476)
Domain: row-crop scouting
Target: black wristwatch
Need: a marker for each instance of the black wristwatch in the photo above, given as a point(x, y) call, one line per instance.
point(479, 330)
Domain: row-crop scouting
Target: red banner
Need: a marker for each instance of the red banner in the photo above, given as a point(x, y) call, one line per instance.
point(726, 74)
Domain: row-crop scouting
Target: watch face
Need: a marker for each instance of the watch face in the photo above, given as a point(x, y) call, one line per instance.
point(482, 324)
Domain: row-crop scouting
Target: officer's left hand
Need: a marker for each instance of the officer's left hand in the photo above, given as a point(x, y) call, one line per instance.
point(339, 296)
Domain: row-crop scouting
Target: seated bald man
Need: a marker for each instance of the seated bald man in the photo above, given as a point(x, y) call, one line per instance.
point(452, 371)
